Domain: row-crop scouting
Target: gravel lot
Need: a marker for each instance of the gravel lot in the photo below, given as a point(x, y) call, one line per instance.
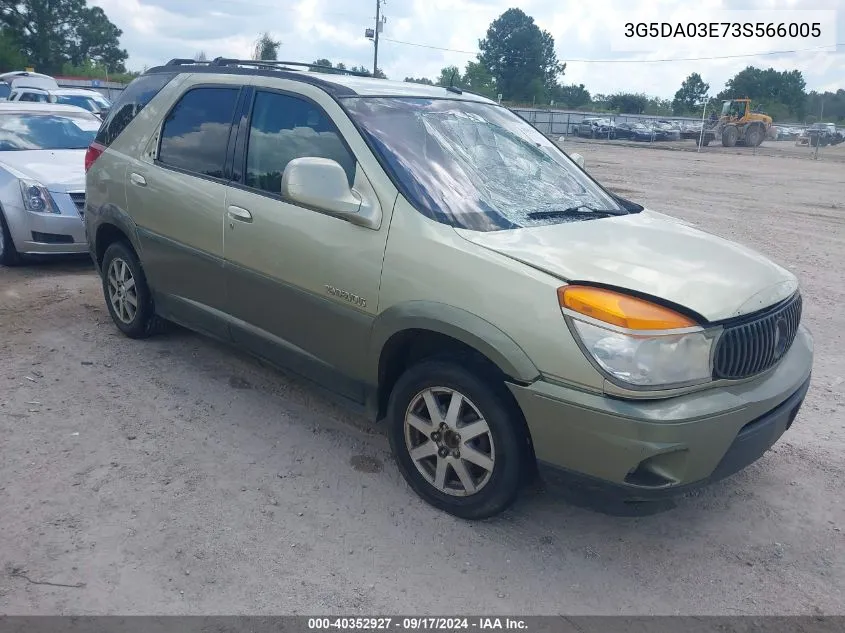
point(177, 476)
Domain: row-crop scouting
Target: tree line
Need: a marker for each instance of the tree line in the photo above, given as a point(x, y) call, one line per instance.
point(60, 37)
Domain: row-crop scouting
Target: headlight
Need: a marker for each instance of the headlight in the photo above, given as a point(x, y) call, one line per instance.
point(637, 343)
point(37, 198)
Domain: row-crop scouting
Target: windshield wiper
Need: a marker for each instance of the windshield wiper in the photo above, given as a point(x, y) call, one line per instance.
point(581, 209)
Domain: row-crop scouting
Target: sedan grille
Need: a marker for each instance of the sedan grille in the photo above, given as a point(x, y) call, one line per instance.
point(750, 348)
point(78, 198)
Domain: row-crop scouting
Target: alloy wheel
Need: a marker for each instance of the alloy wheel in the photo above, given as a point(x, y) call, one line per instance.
point(449, 441)
point(123, 294)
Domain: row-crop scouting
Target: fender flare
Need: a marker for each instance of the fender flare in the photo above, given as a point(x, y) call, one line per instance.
point(113, 215)
point(456, 323)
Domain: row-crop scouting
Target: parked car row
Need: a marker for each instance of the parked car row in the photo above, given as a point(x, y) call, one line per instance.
point(646, 130)
point(821, 135)
point(39, 88)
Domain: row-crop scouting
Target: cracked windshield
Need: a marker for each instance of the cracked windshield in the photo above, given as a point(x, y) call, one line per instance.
point(477, 166)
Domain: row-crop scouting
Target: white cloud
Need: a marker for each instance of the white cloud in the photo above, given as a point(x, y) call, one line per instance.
point(157, 30)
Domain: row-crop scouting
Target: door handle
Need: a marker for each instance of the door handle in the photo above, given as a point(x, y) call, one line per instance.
point(237, 213)
point(137, 179)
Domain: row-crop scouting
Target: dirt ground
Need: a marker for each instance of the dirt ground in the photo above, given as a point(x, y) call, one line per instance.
point(175, 475)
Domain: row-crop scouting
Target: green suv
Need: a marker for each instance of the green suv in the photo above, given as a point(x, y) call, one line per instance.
point(432, 258)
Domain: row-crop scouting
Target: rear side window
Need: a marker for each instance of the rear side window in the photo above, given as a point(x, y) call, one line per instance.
point(130, 102)
point(196, 132)
point(34, 97)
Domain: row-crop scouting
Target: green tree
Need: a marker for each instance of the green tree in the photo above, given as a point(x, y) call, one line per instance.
point(690, 95)
point(450, 76)
point(517, 54)
point(10, 52)
point(628, 103)
point(325, 65)
point(479, 80)
point(419, 80)
point(659, 107)
point(572, 96)
point(52, 33)
point(98, 40)
point(830, 106)
point(266, 48)
point(201, 57)
point(768, 88)
point(366, 71)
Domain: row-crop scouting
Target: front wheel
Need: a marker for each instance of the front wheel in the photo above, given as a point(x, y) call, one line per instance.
point(730, 135)
point(456, 440)
point(8, 253)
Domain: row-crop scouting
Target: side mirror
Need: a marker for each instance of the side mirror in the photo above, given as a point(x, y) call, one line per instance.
point(579, 160)
point(321, 183)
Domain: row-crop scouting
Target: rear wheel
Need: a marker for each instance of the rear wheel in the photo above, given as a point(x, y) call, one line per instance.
point(128, 297)
point(753, 135)
point(8, 253)
point(457, 441)
point(729, 136)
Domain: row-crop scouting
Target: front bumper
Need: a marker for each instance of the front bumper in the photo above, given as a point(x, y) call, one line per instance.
point(48, 233)
point(648, 449)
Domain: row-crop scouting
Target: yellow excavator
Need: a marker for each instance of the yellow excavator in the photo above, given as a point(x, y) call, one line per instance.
point(738, 124)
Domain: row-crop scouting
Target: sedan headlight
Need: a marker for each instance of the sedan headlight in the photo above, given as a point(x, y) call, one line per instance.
point(37, 198)
point(637, 343)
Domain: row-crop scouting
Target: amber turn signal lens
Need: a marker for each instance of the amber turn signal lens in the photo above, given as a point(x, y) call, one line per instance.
point(620, 309)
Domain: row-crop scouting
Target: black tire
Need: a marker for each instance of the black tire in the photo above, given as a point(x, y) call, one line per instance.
point(730, 135)
point(754, 135)
point(9, 255)
point(509, 442)
point(144, 322)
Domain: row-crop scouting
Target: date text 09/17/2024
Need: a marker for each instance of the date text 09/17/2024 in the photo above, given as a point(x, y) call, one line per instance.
point(418, 623)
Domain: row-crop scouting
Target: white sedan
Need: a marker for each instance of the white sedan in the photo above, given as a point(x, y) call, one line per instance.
point(42, 178)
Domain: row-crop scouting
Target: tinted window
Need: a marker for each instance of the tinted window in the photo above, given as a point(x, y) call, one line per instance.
point(33, 96)
point(196, 132)
point(46, 131)
point(130, 102)
point(5, 90)
point(284, 128)
point(78, 101)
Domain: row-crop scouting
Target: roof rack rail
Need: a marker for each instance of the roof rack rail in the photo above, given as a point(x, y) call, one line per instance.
point(184, 62)
point(264, 63)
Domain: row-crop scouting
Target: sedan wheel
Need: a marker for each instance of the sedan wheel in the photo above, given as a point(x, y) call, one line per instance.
point(8, 254)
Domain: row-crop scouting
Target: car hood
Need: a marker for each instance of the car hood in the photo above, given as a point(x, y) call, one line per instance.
point(650, 253)
point(58, 170)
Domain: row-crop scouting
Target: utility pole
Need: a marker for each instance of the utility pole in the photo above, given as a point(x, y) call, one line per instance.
point(375, 37)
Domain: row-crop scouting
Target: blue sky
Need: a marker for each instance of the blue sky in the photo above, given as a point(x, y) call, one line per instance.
point(156, 30)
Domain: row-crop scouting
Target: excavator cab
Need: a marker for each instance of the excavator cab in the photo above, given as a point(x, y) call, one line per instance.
point(735, 109)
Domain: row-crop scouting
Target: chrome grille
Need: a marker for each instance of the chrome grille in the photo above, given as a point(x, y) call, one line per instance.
point(78, 198)
point(752, 347)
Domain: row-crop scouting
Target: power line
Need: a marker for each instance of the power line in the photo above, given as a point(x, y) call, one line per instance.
point(629, 61)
